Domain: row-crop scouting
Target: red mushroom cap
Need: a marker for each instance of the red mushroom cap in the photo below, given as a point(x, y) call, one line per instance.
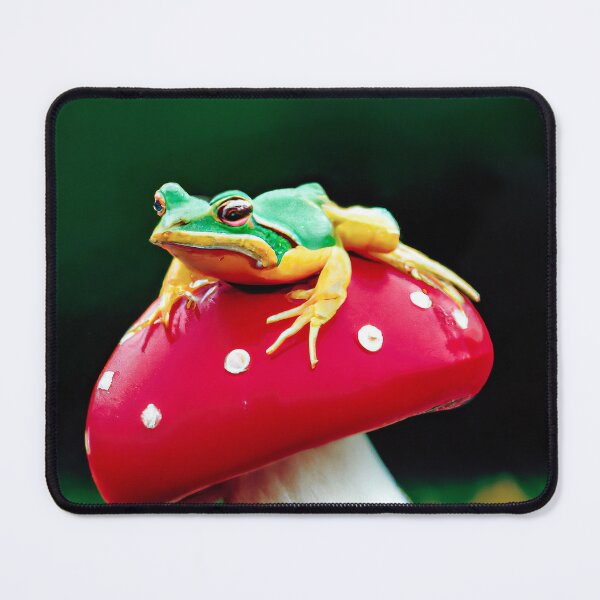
point(166, 419)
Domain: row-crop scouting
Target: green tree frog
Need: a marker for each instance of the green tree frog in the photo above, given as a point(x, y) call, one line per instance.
point(281, 236)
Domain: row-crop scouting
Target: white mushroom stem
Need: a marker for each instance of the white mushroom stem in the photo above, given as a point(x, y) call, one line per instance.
point(348, 470)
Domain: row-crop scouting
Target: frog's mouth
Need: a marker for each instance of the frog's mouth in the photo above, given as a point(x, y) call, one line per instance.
point(248, 245)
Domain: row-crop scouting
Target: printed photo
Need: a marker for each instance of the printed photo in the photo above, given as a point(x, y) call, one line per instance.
point(299, 300)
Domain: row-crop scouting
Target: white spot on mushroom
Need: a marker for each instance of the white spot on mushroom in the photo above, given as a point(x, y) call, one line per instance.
point(370, 338)
point(461, 318)
point(86, 441)
point(237, 361)
point(151, 416)
point(106, 380)
point(421, 299)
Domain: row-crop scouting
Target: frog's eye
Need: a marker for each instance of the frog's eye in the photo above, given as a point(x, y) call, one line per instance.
point(159, 204)
point(235, 211)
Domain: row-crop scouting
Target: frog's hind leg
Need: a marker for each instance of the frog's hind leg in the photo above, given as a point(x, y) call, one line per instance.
point(373, 232)
point(421, 267)
point(320, 303)
point(363, 229)
point(179, 282)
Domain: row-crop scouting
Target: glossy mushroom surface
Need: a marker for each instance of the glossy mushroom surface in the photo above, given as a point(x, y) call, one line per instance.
point(175, 411)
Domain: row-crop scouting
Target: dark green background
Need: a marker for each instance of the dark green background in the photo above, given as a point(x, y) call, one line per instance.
point(465, 177)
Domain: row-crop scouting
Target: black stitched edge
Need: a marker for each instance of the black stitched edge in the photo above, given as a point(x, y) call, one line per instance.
point(266, 93)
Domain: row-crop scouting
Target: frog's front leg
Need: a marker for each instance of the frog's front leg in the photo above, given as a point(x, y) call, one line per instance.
point(179, 282)
point(321, 303)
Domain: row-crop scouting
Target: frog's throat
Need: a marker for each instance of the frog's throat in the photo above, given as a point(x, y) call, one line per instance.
point(250, 245)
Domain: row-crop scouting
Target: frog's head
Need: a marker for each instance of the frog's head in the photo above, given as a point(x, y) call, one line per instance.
point(190, 225)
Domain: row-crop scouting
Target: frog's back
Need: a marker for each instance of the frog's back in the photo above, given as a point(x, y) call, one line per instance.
point(297, 214)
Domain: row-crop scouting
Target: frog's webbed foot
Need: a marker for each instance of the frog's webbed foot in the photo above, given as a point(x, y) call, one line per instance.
point(423, 268)
point(320, 305)
point(316, 311)
point(179, 283)
point(168, 298)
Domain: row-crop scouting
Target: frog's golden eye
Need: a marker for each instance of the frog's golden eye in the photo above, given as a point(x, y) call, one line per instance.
point(159, 204)
point(235, 211)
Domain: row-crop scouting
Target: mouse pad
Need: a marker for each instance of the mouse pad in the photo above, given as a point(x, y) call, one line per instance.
point(301, 300)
